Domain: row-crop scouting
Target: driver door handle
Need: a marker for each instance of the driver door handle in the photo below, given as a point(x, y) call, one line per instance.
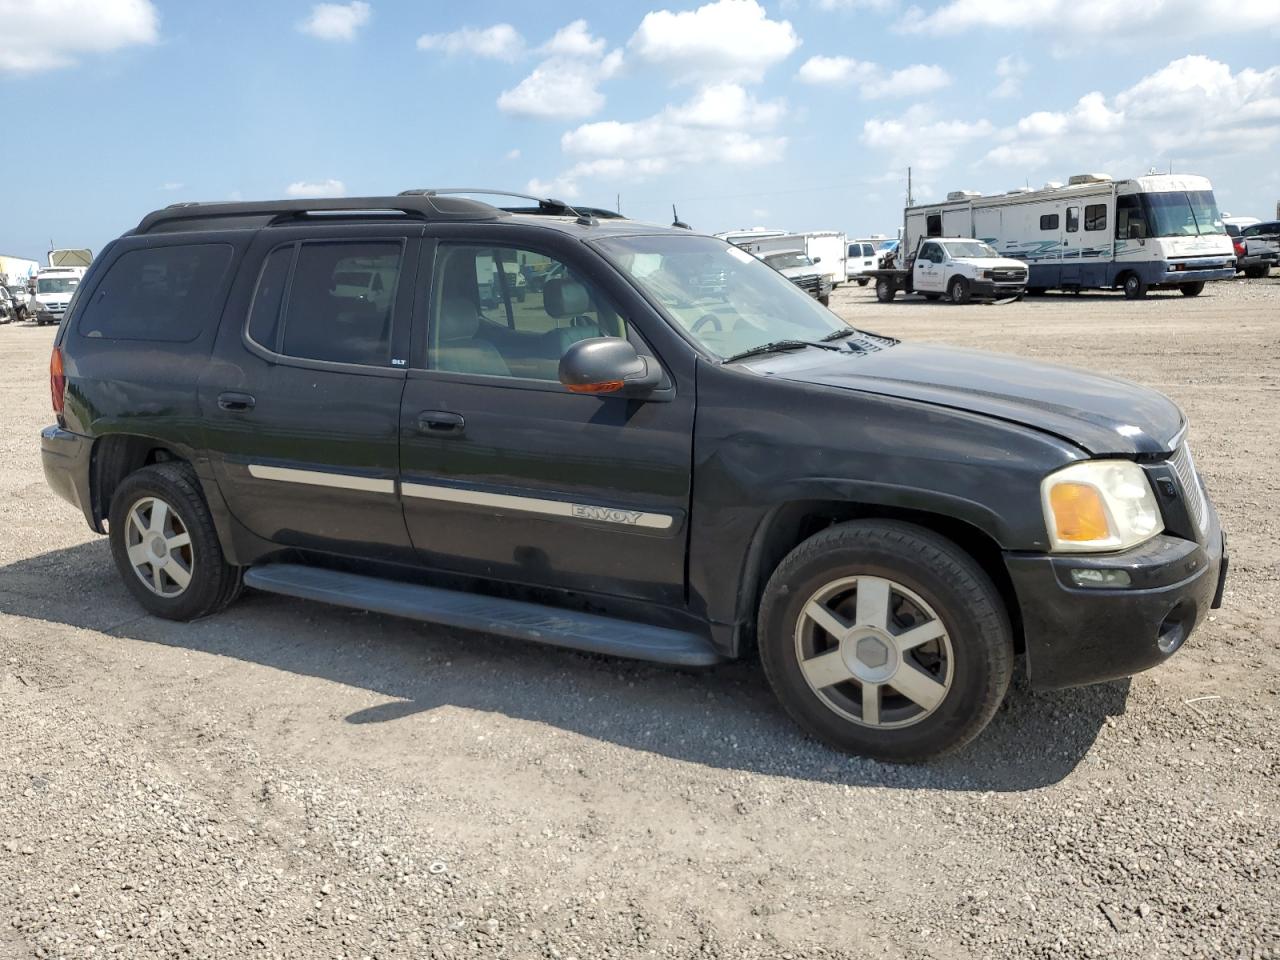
point(236, 402)
point(441, 423)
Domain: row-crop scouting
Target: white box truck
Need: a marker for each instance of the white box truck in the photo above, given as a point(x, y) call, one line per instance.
point(1155, 232)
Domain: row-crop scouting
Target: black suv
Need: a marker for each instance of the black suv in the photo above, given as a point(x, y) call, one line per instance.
point(350, 401)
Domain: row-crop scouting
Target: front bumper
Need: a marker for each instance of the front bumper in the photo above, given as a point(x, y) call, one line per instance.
point(67, 458)
point(1078, 635)
point(1195, 271)
point(989, 290)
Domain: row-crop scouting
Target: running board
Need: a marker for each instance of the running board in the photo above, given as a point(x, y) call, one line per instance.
point(589, 632)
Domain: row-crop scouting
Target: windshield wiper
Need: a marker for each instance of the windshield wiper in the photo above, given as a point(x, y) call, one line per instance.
point(839, 334)
point(777, 345)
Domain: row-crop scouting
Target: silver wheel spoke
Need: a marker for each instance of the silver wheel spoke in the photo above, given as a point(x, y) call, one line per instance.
point(178, 540)
point(177, 572)
point(138, 555)
point(827, 620)
point(919, 635)
point(825, 669)
point(873, 602)
point(917, 686)
point(159, 514)
point(135, 518)
point(155, 579)
point(871, 703)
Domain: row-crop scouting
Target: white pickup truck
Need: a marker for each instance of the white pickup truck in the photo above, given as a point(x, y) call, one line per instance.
point(959, 268)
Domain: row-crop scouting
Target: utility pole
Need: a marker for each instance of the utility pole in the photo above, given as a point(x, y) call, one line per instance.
point(910, 200)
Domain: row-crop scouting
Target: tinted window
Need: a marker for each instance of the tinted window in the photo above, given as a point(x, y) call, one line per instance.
point(335, 310)
point(1131, 222)
point(1049, 221)
point(931, 252)
point(264, 315)
point(500, 311)
point(165, 293)
point(1095, 216)
point(1073, 219)
point(933, 225)
point(868, 250)
point(1263, 229)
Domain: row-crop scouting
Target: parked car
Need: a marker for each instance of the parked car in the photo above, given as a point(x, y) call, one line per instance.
point(796, 266)
point(861, 259)
point(18, 296)
point(958, 268)
point(613, 467)
point(1262, 241)
point(1254, 255)
point(8, 309)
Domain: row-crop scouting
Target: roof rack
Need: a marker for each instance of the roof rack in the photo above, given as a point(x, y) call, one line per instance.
point(415, 205)
point(546, 205)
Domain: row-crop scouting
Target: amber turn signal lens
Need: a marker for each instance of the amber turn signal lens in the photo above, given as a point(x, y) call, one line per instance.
point(1079, 513)
point(607, 386)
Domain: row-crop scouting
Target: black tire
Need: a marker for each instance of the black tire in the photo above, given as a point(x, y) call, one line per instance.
point(933, 296)
point(1192, 289)
point(863, 282)
point(885, 290)
point(963, 599)
point(1135, 288)
point(214, 583)
point(958, 290)
point(825, 300)
point(1257, 272)
point(1036, 291)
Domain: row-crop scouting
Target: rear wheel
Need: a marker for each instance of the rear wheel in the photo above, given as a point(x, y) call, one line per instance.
point(1134, 287)
point(1257, 271)
point(885, 289)
point(863, 282)
point(884, 639)
point(1192, 289)
point(165, 546)
point(958, 290)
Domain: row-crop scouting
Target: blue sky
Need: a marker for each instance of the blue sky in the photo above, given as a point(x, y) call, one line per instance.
point(800, 114)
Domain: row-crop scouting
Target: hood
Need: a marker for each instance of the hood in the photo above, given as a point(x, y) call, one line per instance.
point(990, 263)
point(791, 273)
point(1100, 414)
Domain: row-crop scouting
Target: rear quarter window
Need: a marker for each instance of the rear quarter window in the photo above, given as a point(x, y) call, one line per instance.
point(167, 294)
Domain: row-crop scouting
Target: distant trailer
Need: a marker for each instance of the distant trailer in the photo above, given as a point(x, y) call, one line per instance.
point(1156, 232)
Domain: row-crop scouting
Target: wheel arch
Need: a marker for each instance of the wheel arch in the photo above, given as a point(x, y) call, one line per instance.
point(114, 457)
point(790, 524)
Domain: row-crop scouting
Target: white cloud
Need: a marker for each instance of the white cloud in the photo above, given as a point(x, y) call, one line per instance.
point(566, 85)
point(918, 138)
point(835, 70)
point(499, 42)
point(875, 83)
point(1193, 107)
point(1011, 70)
point(513, 153)
point(729, 40)
point(855, 4)
point(574, 40)
point(721, 124)
point(336, 21)
point(43, 36)
point(316, 188)
point(1190, 18)
point(171, 185)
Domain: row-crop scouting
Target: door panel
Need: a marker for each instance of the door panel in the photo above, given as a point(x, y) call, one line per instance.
point(514, 478)
point(1071, 245)
point(306, 450)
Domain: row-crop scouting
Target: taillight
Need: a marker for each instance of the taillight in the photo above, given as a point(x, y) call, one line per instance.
point(1239, 246)
point(57, 381)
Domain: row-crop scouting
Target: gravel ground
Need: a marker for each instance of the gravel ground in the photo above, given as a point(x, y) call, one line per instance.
point(292, 780)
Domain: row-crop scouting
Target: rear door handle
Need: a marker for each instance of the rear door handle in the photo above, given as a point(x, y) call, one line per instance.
point(439, 422)
point(236, 402)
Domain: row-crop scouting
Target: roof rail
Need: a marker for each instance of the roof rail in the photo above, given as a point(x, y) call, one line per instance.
point(546, 205)
point(419, 206)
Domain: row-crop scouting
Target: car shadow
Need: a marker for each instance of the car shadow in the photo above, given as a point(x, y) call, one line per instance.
point(724, 717)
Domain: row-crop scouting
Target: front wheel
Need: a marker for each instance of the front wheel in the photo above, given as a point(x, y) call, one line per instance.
point(958, 290)
point(165, 546)
point(1192, 289)
point(1134, 287)
point(885, 290)
point(884, 639)
point(863, 282)
point(825, 299)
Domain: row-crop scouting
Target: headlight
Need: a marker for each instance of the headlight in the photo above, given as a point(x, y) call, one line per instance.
point(986, 274)
point(1099, 505)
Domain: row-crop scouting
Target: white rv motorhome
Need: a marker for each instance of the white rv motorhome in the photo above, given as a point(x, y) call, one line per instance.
point(1160, 231)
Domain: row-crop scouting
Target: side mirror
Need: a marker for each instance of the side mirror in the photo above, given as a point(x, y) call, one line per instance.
point(608, 366)
point(817, 259)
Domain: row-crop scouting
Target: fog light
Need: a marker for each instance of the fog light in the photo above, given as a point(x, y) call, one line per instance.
point(1100, 578)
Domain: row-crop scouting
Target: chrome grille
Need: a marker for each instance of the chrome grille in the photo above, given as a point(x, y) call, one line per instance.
point(1008, 275)
point(1189, 480)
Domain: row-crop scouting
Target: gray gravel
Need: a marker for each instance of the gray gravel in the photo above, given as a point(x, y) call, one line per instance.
point(290, 780)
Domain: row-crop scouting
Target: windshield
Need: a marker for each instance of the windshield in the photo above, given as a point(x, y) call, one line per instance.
point(792, 258)
point(56, 284)
point(754, 305)
point(974, 249)
point(1191, 214)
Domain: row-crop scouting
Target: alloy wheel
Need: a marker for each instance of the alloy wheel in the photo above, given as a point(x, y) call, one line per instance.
point(874, 652)
point(159, 547)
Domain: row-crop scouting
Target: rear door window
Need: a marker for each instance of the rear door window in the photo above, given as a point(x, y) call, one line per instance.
point(167, 294)
point(340, 302)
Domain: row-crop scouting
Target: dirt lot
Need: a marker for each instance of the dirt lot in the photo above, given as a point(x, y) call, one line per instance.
point(291, 780)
